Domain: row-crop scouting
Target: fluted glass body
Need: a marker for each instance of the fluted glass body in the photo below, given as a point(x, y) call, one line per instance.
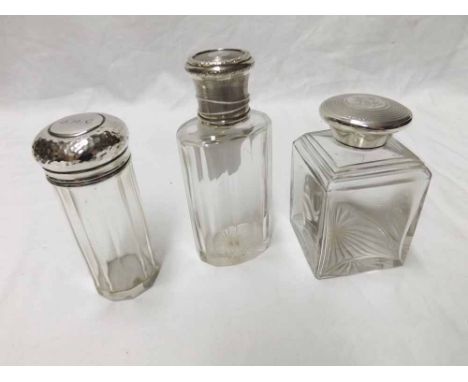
point(354, 210)
point(109, 226)
point(227, 171)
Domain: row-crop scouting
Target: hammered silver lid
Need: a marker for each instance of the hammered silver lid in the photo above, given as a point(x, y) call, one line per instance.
point(82, 148)
point(364, 120)
point(219, 61)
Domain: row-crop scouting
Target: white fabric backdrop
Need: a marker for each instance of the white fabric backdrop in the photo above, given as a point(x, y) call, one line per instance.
point(270, 310)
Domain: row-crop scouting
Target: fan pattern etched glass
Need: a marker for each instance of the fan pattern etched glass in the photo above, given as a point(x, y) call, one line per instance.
point(354, 210)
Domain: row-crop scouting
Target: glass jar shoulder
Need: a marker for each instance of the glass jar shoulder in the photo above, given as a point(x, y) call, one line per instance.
point(339, 156)
point(332, 161)
point(196, 132)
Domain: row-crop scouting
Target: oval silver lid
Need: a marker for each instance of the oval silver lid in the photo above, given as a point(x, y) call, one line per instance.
point(364, 120)
point(219, 61)
point(76, 125)
point(82, 148)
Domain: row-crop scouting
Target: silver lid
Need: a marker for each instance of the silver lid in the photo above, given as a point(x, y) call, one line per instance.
point(219, 61)
point(82, 148)
point(364, 120)
point(221, 83)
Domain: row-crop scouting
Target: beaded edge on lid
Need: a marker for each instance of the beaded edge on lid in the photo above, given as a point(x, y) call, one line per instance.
point(219, 61)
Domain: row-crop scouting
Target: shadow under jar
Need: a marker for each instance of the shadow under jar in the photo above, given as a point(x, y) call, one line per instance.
point(85, 156)
point(226, 161)
point(356, 192)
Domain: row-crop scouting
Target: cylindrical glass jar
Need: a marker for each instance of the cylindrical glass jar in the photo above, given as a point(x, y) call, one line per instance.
point(86, 157)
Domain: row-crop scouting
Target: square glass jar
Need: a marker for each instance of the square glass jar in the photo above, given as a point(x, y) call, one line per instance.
point(354, 209)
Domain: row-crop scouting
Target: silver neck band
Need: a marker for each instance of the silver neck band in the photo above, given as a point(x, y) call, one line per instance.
point(85, 178)
point(222, 99)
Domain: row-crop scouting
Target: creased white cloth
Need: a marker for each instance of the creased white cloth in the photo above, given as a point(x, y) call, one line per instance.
point(270, 310)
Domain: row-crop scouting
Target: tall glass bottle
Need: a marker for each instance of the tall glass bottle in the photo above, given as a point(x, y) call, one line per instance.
point(86, 158)
point(356, 192)
point(226, 160)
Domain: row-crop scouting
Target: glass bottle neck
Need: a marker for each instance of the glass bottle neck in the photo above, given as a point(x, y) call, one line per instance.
point(222, 100)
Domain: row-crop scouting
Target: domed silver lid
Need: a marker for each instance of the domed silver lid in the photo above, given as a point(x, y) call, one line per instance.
point(82, 148)
point(364, 120)
point(219, 61)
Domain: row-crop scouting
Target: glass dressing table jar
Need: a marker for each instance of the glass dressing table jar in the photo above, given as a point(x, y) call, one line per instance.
point(226, 160)
point(86, 158)
point(356, 192)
